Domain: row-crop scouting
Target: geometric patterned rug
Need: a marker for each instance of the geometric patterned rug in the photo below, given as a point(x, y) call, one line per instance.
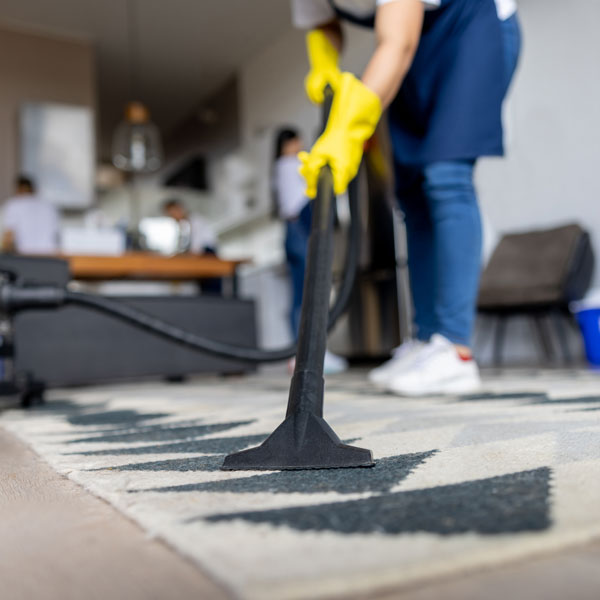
point(459, 483)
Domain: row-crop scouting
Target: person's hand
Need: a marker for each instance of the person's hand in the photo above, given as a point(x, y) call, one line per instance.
point(324, 71)
point(355, 112)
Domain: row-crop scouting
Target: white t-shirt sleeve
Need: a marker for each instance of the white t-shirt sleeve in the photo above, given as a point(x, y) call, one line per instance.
point(289, 187)
point(9, 215)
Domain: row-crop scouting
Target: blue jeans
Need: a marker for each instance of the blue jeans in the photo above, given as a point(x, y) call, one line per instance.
point(443, 226)
point(296, 245)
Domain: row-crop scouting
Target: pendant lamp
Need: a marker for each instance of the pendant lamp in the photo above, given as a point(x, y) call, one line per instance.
point(137, 145)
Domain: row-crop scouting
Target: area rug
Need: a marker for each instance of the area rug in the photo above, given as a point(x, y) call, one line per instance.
point(459, 483)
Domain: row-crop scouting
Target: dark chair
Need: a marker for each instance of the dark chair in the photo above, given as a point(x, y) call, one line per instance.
point(537, 274)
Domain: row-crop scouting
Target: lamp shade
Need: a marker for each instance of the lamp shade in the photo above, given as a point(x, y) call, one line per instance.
point(137, 146)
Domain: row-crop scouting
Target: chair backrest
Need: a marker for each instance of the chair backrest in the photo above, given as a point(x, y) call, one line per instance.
point(538, 268)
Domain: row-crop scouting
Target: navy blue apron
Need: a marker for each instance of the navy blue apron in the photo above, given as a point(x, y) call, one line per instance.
point(450, 104)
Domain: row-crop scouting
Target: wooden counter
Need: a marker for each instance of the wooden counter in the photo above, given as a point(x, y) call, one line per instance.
point(144, 266)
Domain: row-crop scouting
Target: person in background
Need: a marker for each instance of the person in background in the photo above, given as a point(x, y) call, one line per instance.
point(31, 224)
point(199, 238)
point(443, 68)
point(293, 206)
point(202, 238)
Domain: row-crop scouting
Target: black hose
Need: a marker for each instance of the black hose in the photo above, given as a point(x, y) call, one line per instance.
point(352, 255)
point(147, 322)
point(154, 325)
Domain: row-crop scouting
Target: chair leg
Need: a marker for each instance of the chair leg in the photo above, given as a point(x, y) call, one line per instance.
point(499, 335)
point(544, 337)
point(479, 333)
point(561, 332)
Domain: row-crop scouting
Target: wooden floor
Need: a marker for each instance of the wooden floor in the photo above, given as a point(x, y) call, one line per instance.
point(57, 542)
point(573, 575)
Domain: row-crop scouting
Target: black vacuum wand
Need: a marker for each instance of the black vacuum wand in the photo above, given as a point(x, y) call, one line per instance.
point(305, 440)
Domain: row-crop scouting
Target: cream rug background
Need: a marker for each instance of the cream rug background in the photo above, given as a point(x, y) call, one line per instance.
point(459, 484)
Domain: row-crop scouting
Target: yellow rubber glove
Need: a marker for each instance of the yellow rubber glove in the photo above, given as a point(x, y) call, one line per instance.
point(324, 71)
point(355, 112)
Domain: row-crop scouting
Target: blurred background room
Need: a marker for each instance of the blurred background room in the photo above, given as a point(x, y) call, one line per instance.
point(113, 108)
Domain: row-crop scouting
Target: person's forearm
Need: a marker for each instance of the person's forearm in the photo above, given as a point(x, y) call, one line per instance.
point(398, 27)
point(386, 70)
point(8, 241)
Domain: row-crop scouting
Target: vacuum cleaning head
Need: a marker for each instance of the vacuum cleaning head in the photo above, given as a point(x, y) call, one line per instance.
point(302, 441)
point(305, 440)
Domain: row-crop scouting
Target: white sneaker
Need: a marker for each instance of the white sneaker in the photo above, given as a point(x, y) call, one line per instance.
point(438, 369)
point(334, 364)
point(401, 358)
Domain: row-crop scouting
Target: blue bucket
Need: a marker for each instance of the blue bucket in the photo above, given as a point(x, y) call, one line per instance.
point(589, 322)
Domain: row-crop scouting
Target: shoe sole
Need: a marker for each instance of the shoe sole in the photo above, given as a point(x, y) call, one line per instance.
point(384, 382)
point(449, 388)
point(380, 384)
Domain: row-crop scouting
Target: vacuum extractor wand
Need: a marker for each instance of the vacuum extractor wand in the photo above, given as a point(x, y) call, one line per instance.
point(305, 440)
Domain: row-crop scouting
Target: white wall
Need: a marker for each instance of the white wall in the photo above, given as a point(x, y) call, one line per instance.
point(550, 174)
